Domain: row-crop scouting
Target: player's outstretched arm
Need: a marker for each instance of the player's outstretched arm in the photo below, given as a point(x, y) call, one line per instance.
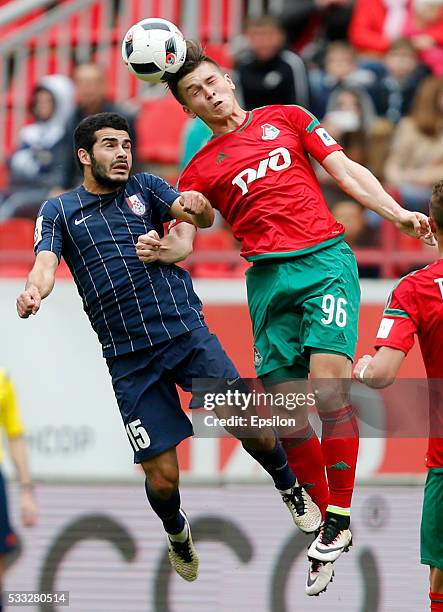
point(174, 247)
point(380, 370)
point(193, 207)
point(39, 285)
point(358, 182)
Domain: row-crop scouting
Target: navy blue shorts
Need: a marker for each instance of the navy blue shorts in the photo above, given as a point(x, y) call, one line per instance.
point(8, 540)
point(145, 382)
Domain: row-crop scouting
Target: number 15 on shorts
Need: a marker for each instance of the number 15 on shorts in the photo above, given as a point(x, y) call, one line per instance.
point(334, 310)
point(138, 436)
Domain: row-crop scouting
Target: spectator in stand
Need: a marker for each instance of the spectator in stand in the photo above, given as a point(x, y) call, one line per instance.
point(424, 26)
point(349, 119)
point(340, 69)
point(36, 166)
point(415, 161)
point(11, 424)
point(268, 73)
point(393, 94)
point(376, 24)
point(312, 24)
point(91, 90)
point(359, 233)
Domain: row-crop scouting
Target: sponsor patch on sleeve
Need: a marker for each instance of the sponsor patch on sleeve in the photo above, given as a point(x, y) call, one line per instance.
point(385, 328)
point(325, 137)
point(38, 230)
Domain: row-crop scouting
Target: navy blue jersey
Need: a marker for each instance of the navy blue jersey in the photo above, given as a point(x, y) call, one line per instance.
point(131, 305)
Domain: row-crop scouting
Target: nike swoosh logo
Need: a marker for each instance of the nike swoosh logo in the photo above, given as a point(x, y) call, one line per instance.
point(329, 549)
point(231, 381)
point(309, 581)
point(78, 221)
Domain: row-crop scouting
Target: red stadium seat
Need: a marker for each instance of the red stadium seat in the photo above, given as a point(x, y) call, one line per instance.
point(4, 175)
point(17, 235)
point(16, 247)
point(213, 242)
point(220, 53)
point(159, 130)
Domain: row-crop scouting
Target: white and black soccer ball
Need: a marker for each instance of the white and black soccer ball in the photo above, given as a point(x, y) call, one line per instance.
point(153, 49)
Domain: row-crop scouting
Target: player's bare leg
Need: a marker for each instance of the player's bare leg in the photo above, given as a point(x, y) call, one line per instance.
point(162, 478)
point(265, 447)
point(436, 589)
point(330, 374)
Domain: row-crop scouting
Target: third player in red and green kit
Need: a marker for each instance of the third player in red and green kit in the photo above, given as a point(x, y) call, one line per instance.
point(303, 290)
point(415, 308)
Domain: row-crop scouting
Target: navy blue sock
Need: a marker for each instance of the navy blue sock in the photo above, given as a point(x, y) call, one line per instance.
point(167, 510)
point(276, 464)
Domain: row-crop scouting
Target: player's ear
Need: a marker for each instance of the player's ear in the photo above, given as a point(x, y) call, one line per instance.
point(229, 81)
point(433, 225)
point(84, 157)
point(189, 112)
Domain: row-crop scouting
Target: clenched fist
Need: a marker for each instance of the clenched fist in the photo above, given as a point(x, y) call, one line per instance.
point(28, 302)
point(148, 247)
point(193, 202)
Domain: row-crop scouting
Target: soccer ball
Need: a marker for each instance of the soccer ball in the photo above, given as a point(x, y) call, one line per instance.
point(153, 49)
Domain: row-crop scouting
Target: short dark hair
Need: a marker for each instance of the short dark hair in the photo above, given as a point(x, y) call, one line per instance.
point(195, 56)
point(436, 205)
point(260, 21)
point(85, 133)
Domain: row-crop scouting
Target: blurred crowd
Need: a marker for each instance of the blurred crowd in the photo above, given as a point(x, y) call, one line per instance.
point(372, 72)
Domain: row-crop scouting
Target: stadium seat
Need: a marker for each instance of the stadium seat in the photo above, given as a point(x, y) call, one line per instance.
point(4, 175)
point(17, 235)
point(213, 242)
point(159, 129)
point(220, 53)
point(16, 247)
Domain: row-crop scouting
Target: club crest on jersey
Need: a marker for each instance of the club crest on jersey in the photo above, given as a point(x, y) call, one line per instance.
point(257, 357)
point(136, 204)
point(269, 132)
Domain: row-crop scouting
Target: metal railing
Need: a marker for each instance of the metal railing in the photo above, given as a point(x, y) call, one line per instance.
point(75, 31)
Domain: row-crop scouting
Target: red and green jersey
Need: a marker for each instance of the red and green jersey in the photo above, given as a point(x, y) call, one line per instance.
point(416, 307)
point(260, 178)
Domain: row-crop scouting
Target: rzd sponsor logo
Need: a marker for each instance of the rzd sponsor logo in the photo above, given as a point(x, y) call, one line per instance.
point(278, 159)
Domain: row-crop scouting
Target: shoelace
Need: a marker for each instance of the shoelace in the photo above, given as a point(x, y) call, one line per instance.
point(183, 549)
point(330, 531)
point(297, 500)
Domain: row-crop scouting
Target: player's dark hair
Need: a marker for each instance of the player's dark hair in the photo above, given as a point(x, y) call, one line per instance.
point(85, 133)
point(195, 56)
point(436, 205)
